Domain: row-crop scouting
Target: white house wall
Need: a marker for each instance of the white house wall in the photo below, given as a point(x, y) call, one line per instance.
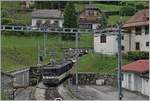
point(125, 42)
point(110, 47)
point(126, 84)
point(137, 83)
point(94, 26)
point(145, 86)
point(143, 38)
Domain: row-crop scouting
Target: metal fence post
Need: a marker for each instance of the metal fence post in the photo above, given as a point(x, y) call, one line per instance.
point(119, 65)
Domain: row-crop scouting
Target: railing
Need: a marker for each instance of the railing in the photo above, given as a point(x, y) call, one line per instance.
point(113, 31)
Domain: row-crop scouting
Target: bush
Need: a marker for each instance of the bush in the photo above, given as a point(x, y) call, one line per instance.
point(136, 55)
point(127, 11)
point(139, 6)
point(4, 13)
point(7, 21)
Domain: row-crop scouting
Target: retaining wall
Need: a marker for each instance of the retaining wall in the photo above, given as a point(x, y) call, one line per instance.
point(87, 78)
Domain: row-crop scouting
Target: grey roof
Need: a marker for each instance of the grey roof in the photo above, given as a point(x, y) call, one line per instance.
point(47, 13)
point(57, 66)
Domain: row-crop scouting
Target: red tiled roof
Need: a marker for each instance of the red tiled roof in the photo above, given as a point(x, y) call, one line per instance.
point(141, 18)
point(140, 66)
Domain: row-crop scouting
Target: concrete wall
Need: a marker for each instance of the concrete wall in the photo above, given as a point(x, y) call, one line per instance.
point(135, 83)
point(60, 21)
point(21, 77)
point(7, 84)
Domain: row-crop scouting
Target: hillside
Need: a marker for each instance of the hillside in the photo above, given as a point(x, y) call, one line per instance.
point(24, 18)
point(18, 51)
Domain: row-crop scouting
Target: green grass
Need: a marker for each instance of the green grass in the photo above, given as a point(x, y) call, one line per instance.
point(114, 19)
point(23, 51)
point(22, 18)
point(104, 64)
point(103, 7)
point(10, 4)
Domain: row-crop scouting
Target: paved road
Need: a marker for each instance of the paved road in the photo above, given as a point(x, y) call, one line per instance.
point(104, 93)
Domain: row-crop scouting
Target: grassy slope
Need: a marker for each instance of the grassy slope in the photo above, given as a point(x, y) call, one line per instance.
point(114, 19)
point(95, 62)
point(10, 4)
point(22, 51)
point(103, 7)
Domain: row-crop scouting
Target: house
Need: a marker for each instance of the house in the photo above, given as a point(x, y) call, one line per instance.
point(136, 76)
point(138, 32)
point(50, 17)
point(106, 44)
point(26, 3)
point(89, 17)
point(136, 37)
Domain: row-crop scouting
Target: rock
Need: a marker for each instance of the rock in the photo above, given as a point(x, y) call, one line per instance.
point(100, 82)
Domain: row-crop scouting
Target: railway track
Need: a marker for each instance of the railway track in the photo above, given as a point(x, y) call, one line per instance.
point(43, 92)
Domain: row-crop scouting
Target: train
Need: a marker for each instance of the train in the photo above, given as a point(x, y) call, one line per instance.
point(53, 75)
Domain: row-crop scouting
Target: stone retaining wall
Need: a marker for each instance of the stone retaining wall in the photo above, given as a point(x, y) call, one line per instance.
point(91, 78)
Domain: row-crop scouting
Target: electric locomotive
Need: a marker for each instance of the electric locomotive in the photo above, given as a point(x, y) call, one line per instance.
point(53, 75)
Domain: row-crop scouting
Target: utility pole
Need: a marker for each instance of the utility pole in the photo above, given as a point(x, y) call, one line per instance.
point(45, 42)
point(77, 37)
point(120, 95)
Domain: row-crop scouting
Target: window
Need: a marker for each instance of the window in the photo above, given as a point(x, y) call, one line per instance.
point(103, 39)
point(122, 47)
point(147, 30)
point(147, 44)
point(122, 37)
point(137, 46)
point(38, 23)
point(138, 31)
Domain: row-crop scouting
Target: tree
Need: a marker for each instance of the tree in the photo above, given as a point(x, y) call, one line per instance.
point(70, 18)
point(103, 21)
point(127, 10)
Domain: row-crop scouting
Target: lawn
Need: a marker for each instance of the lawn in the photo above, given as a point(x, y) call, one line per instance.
point(114, 19)
point(103, 7)
point(10, 4)
point(104, 64)
point(18, 51)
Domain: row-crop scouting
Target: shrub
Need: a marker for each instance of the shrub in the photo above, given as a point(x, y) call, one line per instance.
point(139, 6)
point(4, 13)
point(127, 11)
point(7, 21)
point(136, 55)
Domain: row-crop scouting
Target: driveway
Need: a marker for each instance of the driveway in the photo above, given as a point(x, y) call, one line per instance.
point(104, 93)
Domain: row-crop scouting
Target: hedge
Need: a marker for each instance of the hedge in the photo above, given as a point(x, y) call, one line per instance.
point(137, 55)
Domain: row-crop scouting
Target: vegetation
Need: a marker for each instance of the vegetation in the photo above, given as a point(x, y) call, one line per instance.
point(103, 7)
point(104, 64)
point(4, 96)
point(70, 18)
point(127, 11)
point(136, 55)
point(10, 4)
point(112, 20)
point(18, 51)
point(50, 4)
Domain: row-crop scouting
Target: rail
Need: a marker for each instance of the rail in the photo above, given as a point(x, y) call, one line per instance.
point(58, 30)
